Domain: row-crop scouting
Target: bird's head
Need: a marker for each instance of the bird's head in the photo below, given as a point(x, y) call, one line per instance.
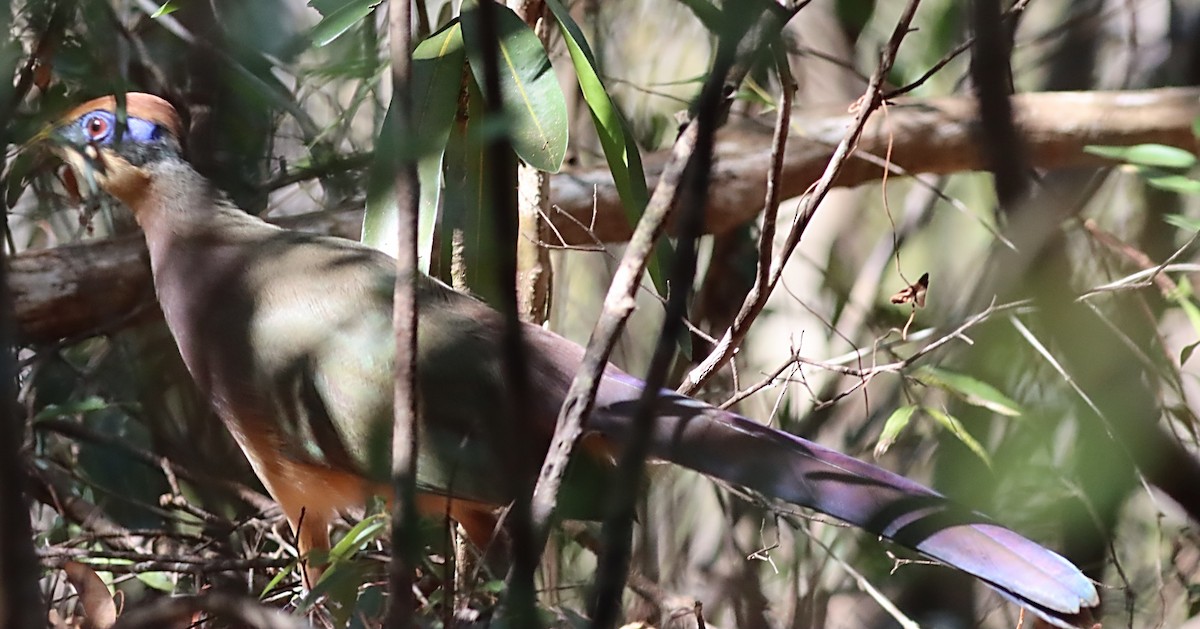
point(115, 155)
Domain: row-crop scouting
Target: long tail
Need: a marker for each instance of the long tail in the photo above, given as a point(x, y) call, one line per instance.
point(780, 465)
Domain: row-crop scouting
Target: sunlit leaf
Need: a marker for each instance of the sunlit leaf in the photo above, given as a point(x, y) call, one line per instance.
point(167, 8)
point(895, 424)
point(969, 389)
point(1182, 296)
point(437, 79)
point(534, 106)
point(161, 581)
point(1183, 222)
point(279, 577)
point(1159, 155)
point(616, 137)
point(343, 19)
point(956, 428)
point(1171, 182)
point(338, 569)
point(363, 532)
point(620, 150)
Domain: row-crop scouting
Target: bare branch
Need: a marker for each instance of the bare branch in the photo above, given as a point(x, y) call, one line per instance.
point(85, 289)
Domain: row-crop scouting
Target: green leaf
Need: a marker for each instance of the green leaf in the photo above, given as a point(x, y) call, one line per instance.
point(167, 8)
point(1186, 223)
point(1186, 353)
point(956, 428)
point(1182, 295)
point(334, 24)
point(437, 79)
point(895, 424)
point(534, 106)
point(358, 537)
point(1171, 182)
point(71, 409)
point(278, 578)
point(616, 136)
point(339, 569)
point(620, 149)
point(969, 389)
point(1196, 128)
point(161, 581)
point(1159, 155)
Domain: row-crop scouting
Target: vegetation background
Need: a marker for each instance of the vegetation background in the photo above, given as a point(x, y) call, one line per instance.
point(1046, 380)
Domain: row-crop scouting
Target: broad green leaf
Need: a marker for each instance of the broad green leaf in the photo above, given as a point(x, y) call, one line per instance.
point(534, 106)
point(334, 24)
point(956, 428)
point(895, 424)
point(971, 390)
point(1196, 128)
point(437, 79)
point(1159, 155)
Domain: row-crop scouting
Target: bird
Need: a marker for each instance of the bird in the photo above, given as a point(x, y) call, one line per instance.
point(289, 336)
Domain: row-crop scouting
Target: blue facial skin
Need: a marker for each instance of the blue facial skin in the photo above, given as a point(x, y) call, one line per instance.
point(141, 142)
point(136, 129)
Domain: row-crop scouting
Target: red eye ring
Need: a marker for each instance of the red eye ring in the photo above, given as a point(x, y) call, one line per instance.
point(96, 128)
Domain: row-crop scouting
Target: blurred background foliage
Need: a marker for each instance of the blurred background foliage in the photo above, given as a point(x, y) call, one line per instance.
point(284, 102)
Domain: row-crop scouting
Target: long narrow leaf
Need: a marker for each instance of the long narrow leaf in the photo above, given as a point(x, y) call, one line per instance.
point(616, 138)
point(895, 424)
point(971, 390)
point(437, 79)
point(952, 423)
point(341, 20)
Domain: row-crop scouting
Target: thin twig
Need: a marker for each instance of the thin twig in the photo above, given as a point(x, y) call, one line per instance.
point(763, 287)
point(613, 566)
point(510, 446)
point(115, 561)
point(405, 426)
point(756, 299)
point(618, 306)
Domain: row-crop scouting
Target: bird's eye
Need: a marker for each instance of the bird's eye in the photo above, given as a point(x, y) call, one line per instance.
point(96, 128)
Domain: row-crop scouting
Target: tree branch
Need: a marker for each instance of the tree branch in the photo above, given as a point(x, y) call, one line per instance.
point(81, 290)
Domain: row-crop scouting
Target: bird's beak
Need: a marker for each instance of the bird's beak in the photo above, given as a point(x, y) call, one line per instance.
point(82, 158)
